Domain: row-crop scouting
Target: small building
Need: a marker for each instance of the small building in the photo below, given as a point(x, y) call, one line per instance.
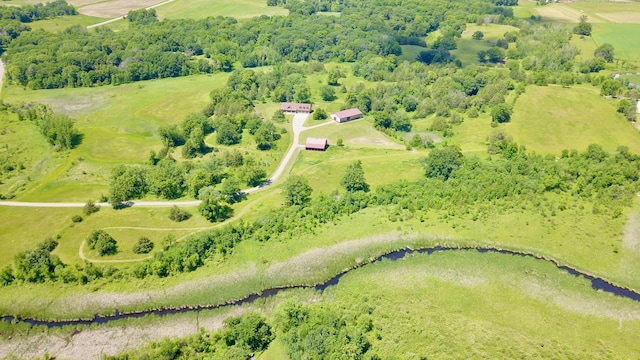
point(295, 108)
point(319, 144)
point(346, 115)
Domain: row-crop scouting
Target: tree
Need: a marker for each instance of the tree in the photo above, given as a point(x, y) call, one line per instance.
point(251, 330)
point(127, 182)
point(143, 246)
point(102, 243)
point(227, 133)
point(628, 109)
point(296, 190)
point(478, 35)
point(230, 190)
point(266, 135)
point(610, 87)
point(501, 113)
point(604, 51)
point(353, 179)
point(583, 27)
point(319, 114)
point(442, 162)
point(60, 131)
point(90, 207)
point(327, 93)
point(334, 76)
point(214, 209)
point(176, 214)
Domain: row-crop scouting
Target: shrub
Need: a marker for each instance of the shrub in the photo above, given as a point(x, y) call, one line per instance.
point(76, 218)
point(90, 207)
point(143, 246)
point(176, 214)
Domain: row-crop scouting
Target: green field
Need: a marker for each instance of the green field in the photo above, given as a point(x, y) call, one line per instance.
point(199, 9)
point(625, 39)
point(550, 119)
point(468, 48)
point(119, 125)
point(465, 305)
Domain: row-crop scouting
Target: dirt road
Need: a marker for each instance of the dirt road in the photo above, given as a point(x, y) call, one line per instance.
point(297, 128)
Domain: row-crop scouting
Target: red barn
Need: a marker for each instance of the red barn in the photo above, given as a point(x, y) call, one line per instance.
point(319, 144)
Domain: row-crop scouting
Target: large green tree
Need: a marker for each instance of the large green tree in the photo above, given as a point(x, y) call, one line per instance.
point(353, 179)
point(442, 162)
point(296, 190)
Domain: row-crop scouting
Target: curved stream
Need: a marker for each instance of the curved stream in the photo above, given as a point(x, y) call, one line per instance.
point(596, 283)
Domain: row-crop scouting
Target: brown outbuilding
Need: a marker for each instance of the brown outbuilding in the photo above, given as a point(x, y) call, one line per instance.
point(319, 144)
point(346, 115)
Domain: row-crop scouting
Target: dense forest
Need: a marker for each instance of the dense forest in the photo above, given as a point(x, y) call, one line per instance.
point(151, 49)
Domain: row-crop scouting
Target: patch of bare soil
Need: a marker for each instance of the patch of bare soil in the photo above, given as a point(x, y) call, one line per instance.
point(110, 9)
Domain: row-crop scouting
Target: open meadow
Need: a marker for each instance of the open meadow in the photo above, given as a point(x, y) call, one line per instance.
point(551, 119)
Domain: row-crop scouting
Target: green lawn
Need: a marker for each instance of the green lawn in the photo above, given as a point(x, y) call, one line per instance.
point(625, 39)
point(550, 119)
point(199, 9)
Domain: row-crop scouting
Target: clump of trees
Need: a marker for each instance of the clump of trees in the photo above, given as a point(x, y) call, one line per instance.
point(58, 129)
point(178, 215)
point(102, 243)
point(28, 13)
point(296, 190)
point(239, 338)
point(353, 179)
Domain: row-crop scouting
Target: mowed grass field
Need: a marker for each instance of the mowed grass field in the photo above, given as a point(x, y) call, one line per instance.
point(625, 39)
point(550, 119)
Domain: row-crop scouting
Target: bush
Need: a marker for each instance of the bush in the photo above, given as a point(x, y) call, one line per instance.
point(143, 246)
point(76, 218)
point(319, 114)
point(176, 214)
point(102, 243)
point(90, 207)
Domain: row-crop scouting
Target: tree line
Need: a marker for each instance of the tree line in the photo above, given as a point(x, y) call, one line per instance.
point(457, 184)
point(150, 49)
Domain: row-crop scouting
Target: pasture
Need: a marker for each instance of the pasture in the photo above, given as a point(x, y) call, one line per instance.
point(550, 119)
point(625, 39)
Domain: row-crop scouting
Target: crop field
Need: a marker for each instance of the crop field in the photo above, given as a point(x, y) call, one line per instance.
point(550, 119)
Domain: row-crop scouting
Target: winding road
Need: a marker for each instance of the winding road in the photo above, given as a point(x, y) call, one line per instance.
point(297, 128)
